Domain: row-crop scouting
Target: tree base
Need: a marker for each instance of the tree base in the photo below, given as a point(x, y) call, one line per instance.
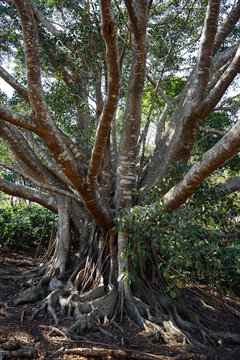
point(193, 320)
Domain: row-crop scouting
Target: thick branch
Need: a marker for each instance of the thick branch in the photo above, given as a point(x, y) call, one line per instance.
point(25, 121)
point(227, 187)
point(228, 146)
point(24, 192)
point(126, 180)
point(110, 36)
point(132, 15)
point(227, 26)
point(206, 46)
point(220, 64)
point(32, 57)
point(40, 185)
point(223, 83)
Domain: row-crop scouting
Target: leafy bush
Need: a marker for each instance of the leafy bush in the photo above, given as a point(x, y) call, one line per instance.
point(190, 243)
point(25, 226)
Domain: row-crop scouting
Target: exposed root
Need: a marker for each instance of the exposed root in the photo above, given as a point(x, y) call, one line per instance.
point(39, 281)
point(188, 320)
point(100, 308)
point(49, 304)
point(55, 331)
point(172, 328)
point(160, 328)
point(114, 353)
point(90, 310)
point(17, 351)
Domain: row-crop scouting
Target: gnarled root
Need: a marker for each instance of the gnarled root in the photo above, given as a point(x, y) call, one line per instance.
point(38, 281)
point(171, 321)
point(89, 310)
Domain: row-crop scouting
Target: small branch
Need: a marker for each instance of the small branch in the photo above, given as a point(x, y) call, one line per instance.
point(225, 101)
point(143, 136)
point(158, 89)
point(46, 158)
point(123, 17)
point(212, 131)
point(227, 108)
point(48, 25)
point(3, 34)
point(161, 122)
point(161, 92)
point(15, 85)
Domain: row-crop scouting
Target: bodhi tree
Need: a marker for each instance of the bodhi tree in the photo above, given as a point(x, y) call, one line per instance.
point(97, 78)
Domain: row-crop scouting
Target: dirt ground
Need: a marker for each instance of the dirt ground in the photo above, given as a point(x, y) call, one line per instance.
point(22, 338)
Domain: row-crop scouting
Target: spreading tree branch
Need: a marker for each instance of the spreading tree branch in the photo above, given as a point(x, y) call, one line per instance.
point(225, 148)
point(212, 131)
point(32, 58)
point(205, 53)
point(14, 84)
point(222, 85)
point(25, 121)
point(227, 187)
point(109, 31)
point(227, 26)
point(40, 185)
point(24, 192)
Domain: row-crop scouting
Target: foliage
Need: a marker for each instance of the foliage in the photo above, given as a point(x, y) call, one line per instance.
point(217, 120)
point(25, 226)
point(189, 243)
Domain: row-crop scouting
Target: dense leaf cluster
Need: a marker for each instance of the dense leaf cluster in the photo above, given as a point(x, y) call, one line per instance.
point(199, 243)
point(25, 227)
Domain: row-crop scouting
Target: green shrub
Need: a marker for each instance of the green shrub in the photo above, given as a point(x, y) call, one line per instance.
point(25, 226)
point(189, 242)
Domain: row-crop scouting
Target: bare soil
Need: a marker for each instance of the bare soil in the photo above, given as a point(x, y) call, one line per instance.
point(22, 338)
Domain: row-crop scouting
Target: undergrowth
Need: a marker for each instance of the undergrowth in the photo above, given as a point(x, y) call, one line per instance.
point(23, 227)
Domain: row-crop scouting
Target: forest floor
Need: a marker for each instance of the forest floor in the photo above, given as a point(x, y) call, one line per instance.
point(22, 338)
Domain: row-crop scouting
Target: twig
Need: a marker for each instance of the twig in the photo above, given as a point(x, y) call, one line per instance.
point(22, 315)
point(57, 331)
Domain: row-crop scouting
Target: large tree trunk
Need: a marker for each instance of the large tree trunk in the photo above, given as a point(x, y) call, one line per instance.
point(63, 240)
